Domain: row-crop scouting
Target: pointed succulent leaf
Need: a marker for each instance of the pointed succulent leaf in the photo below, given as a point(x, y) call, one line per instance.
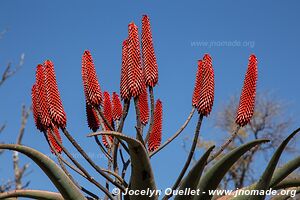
point(278, 176)
point(264, 181)
point(192, 179)
point(33, 194)
point(61, 181)
point(141, 172)
point(282, 172)
point(210, 181)
point(287, 183)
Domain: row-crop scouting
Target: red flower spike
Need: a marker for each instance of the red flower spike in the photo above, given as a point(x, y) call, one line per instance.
point(52, 140)
point(116, 107)
point(92, 117)
point(124, 90)
point(144, 106)
point(135, 73)
point(56, 110)
point(42, 97)
point(107, 108)
point(198, 84)
point(206, 100)
point(155, 135)
point(91, 85)
point(247, 100)
point(107, 112)
point(149, 58)
point(35, 108)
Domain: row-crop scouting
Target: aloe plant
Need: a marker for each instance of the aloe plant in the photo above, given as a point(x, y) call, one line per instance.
point(106, 117)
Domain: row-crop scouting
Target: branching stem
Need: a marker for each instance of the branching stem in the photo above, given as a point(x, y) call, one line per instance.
point(225, 145)
point(190, 156)
point(88, 159)
point(175, 135)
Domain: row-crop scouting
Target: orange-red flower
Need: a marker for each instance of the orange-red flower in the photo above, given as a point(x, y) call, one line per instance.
point(116, 107)
point(124, 90)
point(56, 110)
point(198, 84)
point(135, 74)
point(247, 101)
point(92, 117)
point(35, 108)
point(91, 85)
point(52, 140)
point(144, 106)
point(149, 58)
point(155, 135)
point(206, 99)
point(107, 112)
point(42, 97)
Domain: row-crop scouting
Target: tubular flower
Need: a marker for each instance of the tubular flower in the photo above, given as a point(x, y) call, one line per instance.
point(91, 85)
point(143, 106)
point(52, 140)
point(42, 97)
point(155, 135)
point(135, 73)
point(206, 99)
point(107, 112)
point(149, 58)
point(198, 84)
point(92, 117)
point(124, 90)
point(35, 108)
point(56, 110)
point(247, 100)
point(116, 107)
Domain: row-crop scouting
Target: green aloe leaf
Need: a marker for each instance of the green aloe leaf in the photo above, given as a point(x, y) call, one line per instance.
point(192, 179)
point(215, 174)
point(287, 183)
point(33, 194)
point(61, 181)
point(282, 172)
point(265, 179)
point(142, 177)
point(279, 174)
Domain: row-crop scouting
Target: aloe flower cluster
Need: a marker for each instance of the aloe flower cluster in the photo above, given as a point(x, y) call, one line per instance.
point(247, 100)
point(139, 71)
point(106, 115)
point(203, 96)
point(155, 135)
point(116, 107)
point(48, 112)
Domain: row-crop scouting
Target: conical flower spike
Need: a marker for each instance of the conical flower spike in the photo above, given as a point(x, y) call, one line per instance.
point(36, 108)
point(149, 59)
point(155, 135)
point(144, 106)
point(135, 73)
point(42, 97)
point(198, 84)
point(124, 90)
point(107, 112)
point(52, 140)
point(247, 101)
point(92, 118)
point(91, 85)
point(116, 107)
point(206, 100)
point(57, 113)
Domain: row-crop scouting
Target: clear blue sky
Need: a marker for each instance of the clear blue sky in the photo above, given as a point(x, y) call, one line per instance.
point(61, 31)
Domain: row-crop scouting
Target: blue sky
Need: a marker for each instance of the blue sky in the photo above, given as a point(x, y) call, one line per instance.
point(182, 33)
